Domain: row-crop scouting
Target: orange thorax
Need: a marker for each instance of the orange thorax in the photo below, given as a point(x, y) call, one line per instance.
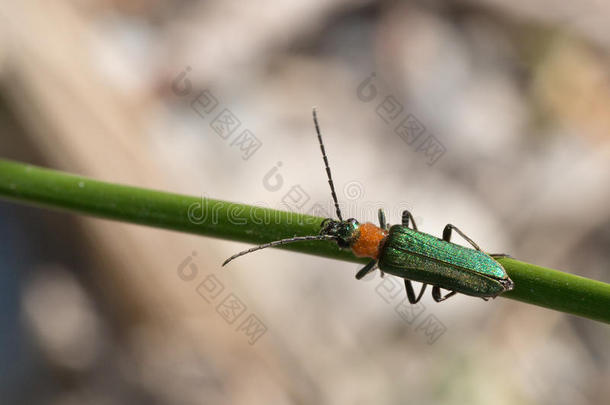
point(369, 241)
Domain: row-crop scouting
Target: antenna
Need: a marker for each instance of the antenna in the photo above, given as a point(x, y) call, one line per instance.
point(330, 178)
point(280, 242)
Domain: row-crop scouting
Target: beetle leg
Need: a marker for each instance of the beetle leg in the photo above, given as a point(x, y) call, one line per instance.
point(382, 223)
point(406, 215)
point(500, 255)
point(411, 292)
point(436, 294)
point(370, 266)
point(447, 235)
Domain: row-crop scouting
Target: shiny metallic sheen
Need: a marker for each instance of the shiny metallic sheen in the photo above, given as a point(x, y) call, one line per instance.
point(425, 258)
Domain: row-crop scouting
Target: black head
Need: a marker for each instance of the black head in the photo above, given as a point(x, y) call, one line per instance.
point(345, 232)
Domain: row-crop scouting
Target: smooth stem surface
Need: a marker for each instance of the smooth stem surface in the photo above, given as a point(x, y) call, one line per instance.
point(220, 219)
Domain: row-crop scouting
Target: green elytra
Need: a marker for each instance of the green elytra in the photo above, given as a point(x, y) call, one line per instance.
point(417, 256)
point(405, 252)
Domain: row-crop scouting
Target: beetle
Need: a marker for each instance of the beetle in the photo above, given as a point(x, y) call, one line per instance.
point(404, 251)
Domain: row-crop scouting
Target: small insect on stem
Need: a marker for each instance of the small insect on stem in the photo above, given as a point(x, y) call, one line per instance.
point(405, 252)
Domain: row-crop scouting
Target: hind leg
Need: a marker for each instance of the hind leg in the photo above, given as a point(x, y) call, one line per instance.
point(411, 293)
point(382, 222)
point(447, 235)
point(436, 294)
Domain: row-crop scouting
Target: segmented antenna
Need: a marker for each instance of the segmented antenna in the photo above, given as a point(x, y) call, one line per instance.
point(280, 242)
point(330, 178)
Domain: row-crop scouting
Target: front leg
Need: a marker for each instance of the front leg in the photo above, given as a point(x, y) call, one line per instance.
point(382, 222)
point(370, 266)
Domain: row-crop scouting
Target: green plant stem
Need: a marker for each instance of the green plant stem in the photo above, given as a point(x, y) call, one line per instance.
point(220, 219)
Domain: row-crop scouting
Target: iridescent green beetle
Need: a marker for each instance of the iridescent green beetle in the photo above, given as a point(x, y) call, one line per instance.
point(403, 251)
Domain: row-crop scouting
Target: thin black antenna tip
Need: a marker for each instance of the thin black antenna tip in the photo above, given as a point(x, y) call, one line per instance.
point(328, 175)
point(314, 112)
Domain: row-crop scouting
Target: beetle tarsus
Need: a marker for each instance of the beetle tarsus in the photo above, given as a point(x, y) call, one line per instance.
point(436, 294)
point(500, 255)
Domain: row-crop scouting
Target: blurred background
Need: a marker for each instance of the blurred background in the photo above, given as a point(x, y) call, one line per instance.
point(493, 116)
